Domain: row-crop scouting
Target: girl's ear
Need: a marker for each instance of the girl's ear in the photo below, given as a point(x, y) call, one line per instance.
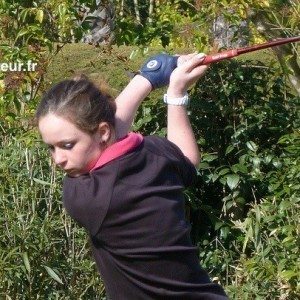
point(105, 132)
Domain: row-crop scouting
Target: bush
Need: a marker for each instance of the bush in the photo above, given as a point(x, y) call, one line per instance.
point(271, 268)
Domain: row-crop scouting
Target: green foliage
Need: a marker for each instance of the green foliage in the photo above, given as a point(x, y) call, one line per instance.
point(42, 254)
point(190, 23)
point(175, 23)
point(271, 233)
point(31, 31)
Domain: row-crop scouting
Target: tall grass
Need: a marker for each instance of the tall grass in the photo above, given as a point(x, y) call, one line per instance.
point(43, 255)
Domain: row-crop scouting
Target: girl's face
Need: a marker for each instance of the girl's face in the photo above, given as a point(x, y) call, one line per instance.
point(72, 149)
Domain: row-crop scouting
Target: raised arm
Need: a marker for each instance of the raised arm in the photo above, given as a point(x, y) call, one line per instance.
point(128, 102)
point(155, 73)
point(179, 129)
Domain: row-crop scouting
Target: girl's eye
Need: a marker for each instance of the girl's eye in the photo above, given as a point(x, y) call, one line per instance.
point(68, 146)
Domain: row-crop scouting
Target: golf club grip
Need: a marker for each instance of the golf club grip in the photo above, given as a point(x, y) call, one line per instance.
point(219, 56)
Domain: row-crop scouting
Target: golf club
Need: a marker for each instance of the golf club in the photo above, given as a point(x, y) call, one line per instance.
point(227, 54)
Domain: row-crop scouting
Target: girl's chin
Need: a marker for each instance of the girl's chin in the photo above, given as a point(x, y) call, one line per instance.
point(75, 173)
point(78, 172)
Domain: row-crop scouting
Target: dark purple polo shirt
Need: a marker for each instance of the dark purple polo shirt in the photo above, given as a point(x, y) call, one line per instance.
point(133, 210)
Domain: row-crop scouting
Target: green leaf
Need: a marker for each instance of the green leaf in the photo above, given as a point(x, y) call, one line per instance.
point(285, 204)
point(268, 159)
point(248, 235)
point(23, 14)
point(40, 16)
point(218, 225)
point(62, 10)
point(22, 32)
point(224, 171)
point(256, 161)
point(277, 163)
point(288, 274)
point(41, 181)
point(203, 166)
point(53, 275)
point(209, 157)
point(240, 200)
point(26, 261)
point(223, 180)
point(252, 146)
point(214, 177)
point(229, 149)
point(239, 168)
point(232, 181)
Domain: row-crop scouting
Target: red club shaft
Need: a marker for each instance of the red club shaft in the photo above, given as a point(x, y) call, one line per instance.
point(235, 52)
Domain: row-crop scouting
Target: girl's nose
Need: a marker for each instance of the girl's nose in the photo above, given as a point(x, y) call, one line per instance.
point(59, 157)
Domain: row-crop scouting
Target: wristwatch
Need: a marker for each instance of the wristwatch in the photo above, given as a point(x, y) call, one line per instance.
point(176, 101)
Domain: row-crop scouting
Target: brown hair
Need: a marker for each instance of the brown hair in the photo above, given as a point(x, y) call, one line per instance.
point(80, 101)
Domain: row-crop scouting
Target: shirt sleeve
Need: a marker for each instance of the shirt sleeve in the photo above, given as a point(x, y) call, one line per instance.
point(182, 164)
point(87, 198)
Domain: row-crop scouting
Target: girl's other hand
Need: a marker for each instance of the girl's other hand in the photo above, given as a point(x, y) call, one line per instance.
point(189, 70)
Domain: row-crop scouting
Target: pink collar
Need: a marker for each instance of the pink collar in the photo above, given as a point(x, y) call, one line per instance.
point(119, 148)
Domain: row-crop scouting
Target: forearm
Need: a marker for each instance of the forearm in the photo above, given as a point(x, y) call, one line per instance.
point(128, 102)
point(179, 131)
point(179, 127)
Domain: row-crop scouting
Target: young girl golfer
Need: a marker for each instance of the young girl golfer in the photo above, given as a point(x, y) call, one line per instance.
point(126, 189)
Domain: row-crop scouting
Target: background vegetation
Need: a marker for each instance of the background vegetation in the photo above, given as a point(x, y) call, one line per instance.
point(244, 208)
